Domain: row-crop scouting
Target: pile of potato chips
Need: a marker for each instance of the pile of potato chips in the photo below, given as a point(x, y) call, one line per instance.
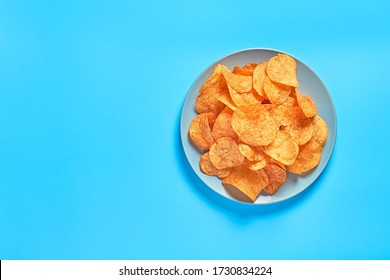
point(253, 125)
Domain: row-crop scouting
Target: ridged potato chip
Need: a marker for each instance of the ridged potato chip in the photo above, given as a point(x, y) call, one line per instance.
point(200, 132)
point(249, 182)
point(276, 177)
point(282, 69)
point(307, 105)
point(208, 168)
point(309, 157)
point(224, 153)
point(255, 124)
point(320, 130)
point(283, 149)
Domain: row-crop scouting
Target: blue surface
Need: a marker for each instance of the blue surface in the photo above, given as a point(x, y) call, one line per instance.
point(91, 163)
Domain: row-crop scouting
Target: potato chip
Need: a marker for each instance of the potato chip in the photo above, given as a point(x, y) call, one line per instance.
point(283, 148)
point(249, 182)
point(291, 101)
point(240, 83)
point(223, 126)
point(242, 99)
point(282, 69)
point(250, 66)
point(309, 157)
point(208, 100)
point(200, 132)
point(252, 153)
point(320, 130)
point(276, 93)
point(241, 71)
point(226, 100)
point(224, 153)
point(307, 105)
point(295, 123)
point(208, 168)
point(276, 177)
point(255, 124)
point(259, 75)
point(256, 165)
point(215, 79)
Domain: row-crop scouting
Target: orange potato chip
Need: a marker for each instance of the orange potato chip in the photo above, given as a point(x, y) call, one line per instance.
point(208, 100)
point(256, 165)
point(225, 99)
point(250, 66)
point(276, 93)
point(291, 101)
point(282, 69)
point(224, 153)
point(208, 168)
point(223, 126)
point(242, 99)
point(200, 132)
point(320, 130)
point(249, 182)
point(215, 79)
point(276, 177)
point(241, 71)
point(255, 124)
point(252, 153)
point(259, 75)
point(295, 123)
point(309, 157)
point(307, 105)
point(283, 149)
point(240, 83)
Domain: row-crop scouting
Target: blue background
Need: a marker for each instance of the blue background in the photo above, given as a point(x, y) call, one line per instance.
point(91, 162)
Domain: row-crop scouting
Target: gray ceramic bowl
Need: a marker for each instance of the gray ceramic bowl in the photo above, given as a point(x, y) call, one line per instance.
point(310, 84)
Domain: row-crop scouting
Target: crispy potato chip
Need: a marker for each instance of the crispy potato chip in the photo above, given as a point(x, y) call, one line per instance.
point(291, 101)
point(276, 93)
point(256, 165)
point(250, 66)
point(249, 182)
point(225, 99)
point(241, 71)
point(276, 177)
point(274, 161)
point(307, 105)
point(320, 130)
point(215, 79)
point(295, 123)
point(200, 132)
point(282, 69)
point(208, 168)
point(223, 125)
point(242, 99)
point(309, 157)
point(240, 83)
point(252, 153)
point(224, 153)
point(283, 149)
point(259, 75)
point(255, 124)
point(208, 100)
